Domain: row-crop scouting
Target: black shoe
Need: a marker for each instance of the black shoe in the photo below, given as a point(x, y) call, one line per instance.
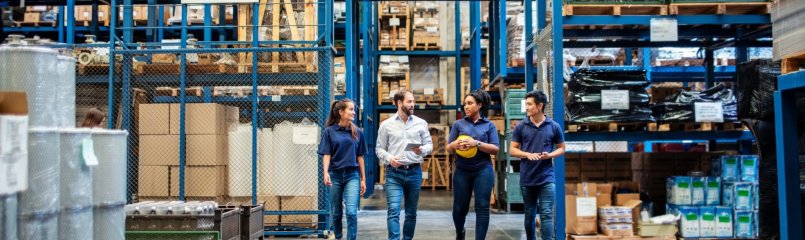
point(460, 235)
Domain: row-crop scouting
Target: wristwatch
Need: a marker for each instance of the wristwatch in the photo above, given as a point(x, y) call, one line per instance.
point(479, 144)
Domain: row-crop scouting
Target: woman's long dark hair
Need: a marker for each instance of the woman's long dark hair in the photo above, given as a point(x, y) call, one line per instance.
point(335, 115)
point(483, 98)
point(93, 118)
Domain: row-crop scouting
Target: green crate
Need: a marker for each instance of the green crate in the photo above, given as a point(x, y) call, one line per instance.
point(173, 235)
point(623, 2)
point(513, 192)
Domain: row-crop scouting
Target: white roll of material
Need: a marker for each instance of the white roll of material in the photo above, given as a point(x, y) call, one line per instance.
point(268, 163)
point(109, 176)
point(240, 160)
point(65, 95)
point(39, 226)
point(76, 223)
point(43, 172)
point(32, 70)
point(297, 172)
point(8, 216)
point(109, 222)
point(76, 175)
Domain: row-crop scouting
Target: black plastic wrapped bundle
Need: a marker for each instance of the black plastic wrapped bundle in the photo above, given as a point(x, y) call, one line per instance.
point(757, 81)
point(679, 107)
point(584, 97)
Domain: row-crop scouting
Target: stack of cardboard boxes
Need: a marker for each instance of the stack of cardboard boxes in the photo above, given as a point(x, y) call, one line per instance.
point(206, 150)
point(83, 13)
point(429, 95)
point(393, 77)
point(394, 24)
point(35, 14)
point(590, 209)
point(426, 23)
point(652, 170)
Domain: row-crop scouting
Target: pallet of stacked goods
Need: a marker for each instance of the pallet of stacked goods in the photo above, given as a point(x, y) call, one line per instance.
point(83, 15)
point(515, 31)
point(615, 7)
point(436, 169)
point(426, 26)
point(393, 76)
point(608, 101)
point(696, 7)
point(713, 109)
point(394, 19)
point(39, 16)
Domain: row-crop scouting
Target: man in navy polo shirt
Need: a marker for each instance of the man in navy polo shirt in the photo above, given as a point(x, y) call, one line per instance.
point(536, 140)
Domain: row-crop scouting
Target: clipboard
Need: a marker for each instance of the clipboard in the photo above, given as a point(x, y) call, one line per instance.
point(411, 146)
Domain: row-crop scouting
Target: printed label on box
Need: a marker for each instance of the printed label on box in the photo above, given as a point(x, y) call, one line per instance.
point(615, 99)
point(664, 30)
point(13, 135)
point(305, 135)
point(432, 29)
point(585, 207)
point(394, 22)
point(428, 91)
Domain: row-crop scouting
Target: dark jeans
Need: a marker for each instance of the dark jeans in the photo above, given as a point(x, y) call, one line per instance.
point(539, 199)
point(466, 183)
point(346, 188)
point(402, 184)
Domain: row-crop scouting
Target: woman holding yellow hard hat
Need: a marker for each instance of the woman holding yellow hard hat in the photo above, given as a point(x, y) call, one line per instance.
point(474, 139)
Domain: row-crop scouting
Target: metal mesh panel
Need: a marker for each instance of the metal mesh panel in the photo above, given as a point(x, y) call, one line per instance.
point(545, 63)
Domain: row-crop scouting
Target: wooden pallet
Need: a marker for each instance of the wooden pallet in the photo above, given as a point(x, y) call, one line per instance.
point(243, 91)
point(732, 8)
point(607, 127)
point(227, 69)
point(404, 16)
point(693, 127)
point(87, 23)
point(425, 46)
point(792, 62)
point(175, 92)
point(438, 168)
point(283, 67)
point(202, 68)
point(156, 69)
point(297, 90)
point(36, 24)
point(614, 9)
point(397, 47)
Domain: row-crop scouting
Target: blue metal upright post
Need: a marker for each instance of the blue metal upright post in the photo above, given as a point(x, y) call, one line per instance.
point(350, 55)
point(182, 101)
point(558, 113)
point(368, 114)
point(785, 120)
point(255, 109)
point(647, 62)
point(150, 34)
point(458, 54)
point(222, 21)
point(208, 24)
point(502, 38)
point(529, 54)
point(128, 21)
point(628, 58)
point(70, 16)
point(475, 43)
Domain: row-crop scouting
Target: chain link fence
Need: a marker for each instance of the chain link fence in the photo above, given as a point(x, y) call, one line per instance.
point(219, 121)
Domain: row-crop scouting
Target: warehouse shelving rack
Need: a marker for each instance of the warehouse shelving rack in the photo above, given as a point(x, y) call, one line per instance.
point(368, 25)
point(751, 33)
point(788, 181)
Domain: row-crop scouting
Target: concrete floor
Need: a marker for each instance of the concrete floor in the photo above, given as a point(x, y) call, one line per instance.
point(434, 219)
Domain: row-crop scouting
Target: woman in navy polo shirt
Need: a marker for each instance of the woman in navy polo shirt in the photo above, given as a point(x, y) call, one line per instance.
point(474, 174)
point(343, 147)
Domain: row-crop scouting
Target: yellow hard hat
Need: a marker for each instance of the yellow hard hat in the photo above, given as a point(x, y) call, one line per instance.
point(469, 153)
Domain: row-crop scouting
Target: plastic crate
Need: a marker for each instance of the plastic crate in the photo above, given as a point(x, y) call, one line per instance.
point(715, 1)
point(251, 221)
point(170, 223)
point(616, 2)
point(172, 235)
point(227, 222)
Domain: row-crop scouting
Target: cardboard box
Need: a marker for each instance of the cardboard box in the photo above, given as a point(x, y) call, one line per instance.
point(154, 119)
point(707, 222)
point(604, 196)
point(200, 119)
point(619, 230)
point(31, 17)
point(648, 229)
point(690, 221)
point(153, 181)
point(14, 142)
point(724, 222)
point(581, 210)
point(291, 203)
point(159, 150)
point(207, 150)
point(205, 181)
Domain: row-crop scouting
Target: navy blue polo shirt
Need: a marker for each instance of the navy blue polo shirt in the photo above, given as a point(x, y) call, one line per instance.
point(344, 150)
point(535, 139)
point(483, 131)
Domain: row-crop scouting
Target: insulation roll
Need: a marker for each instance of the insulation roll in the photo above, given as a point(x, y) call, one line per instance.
point(38, 226)
point(76, 176)
point(32, 70)
point(240, 160)
point(294, 160)
point(110, 221)
point(76, 223)
point(109, 177)
point(8, 217)
point(43, 172)
point(268, 163)
point(65, 95)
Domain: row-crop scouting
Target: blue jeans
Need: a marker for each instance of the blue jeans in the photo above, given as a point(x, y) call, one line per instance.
point(402, 184)
point(539, 199)
point(346, 188)
point(466, 183)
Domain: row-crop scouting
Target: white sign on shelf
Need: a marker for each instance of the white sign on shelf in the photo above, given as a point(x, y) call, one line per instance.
point(394, 22)
point(522, 106)
point(614, 99)
point(432, 29)
point(218, 1)
point(276, 98)
point(585, 207)
point(708, 111)
point(664, 30)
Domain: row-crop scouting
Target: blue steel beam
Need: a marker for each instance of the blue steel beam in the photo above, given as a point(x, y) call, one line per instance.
point(681, 19)
point(659, 136)
point(529, 54)
point(70, 21)
point(182, 107)
point(255, 109)
point(475, 45)
point(458, 53)
point(558, 113)
point(367, 115)
point(502, 38)
point(208, 23)
point(785, 120)
point(351, 56)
